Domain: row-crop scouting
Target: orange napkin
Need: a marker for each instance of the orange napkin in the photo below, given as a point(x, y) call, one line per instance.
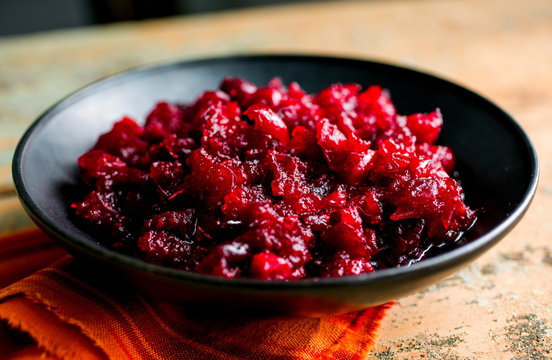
point(62, 312)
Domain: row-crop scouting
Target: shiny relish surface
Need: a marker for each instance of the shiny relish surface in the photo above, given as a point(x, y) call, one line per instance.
point(275, 183)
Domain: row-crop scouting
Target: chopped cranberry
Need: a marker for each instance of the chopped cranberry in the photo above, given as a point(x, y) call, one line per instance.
point(239, 90)
point(274, 183)
point(344, 264)
point(125, 140)
point(426, 127)
point(267, 266)
point(348, 234)
point(164, 120)
point(225, 260)
point(166, 176)
point(267, 121)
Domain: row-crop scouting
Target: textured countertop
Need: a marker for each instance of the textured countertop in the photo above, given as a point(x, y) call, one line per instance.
point(497, 308)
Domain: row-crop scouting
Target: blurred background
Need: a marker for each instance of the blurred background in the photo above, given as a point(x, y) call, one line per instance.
point(26, 16)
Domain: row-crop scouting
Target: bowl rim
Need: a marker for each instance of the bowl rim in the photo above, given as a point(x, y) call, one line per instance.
point(437, 262)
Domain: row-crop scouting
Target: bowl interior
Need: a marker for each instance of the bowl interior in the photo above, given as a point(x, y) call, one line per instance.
point(496, 161)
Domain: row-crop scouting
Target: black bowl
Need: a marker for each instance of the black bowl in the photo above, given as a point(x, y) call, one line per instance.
point(497, 163)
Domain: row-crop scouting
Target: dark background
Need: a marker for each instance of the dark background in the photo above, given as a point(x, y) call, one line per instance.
point(26, 16)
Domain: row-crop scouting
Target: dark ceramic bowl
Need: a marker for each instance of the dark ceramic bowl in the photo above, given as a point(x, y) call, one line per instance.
point(496, 160)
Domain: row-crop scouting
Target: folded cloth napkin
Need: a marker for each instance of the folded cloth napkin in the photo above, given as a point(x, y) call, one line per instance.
point(63, 312)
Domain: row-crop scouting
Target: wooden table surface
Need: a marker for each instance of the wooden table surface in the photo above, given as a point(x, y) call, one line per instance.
point(497, 308)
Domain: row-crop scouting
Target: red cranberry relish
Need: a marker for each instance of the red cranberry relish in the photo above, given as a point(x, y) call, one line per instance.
point(274, 183)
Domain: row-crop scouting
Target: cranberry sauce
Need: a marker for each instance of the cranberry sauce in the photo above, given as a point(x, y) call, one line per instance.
point(274, 183)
